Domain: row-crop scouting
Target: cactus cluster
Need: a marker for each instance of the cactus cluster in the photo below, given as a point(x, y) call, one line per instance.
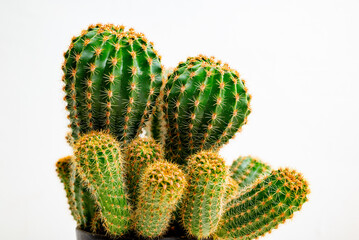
point(145, 145)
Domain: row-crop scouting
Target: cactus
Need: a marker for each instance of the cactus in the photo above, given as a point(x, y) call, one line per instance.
point(246, 170)
point(99, 164)
point(112, 78)
point(204, 197)
point(205, 103)
point(263, 206)
point(161, 187)
point(156, 126)
point(139, 154)
point(173, 179)
point(232, 189)
point(82, 206)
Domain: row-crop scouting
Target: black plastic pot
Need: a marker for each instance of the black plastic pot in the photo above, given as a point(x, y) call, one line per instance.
point(83, 235)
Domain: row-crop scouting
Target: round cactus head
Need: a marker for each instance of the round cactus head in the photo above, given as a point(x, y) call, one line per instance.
point(206, 103)
point(112, 78)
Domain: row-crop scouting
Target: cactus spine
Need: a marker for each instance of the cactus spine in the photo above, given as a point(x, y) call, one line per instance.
point(82, 206)
point(204, 197)
point(206, 104)
point(112, 78)
point(156, 126)
point(139, 154)
point(232, 189)
point(265, 205)
point(99, 164)
point(246, 170)
point(161, 187)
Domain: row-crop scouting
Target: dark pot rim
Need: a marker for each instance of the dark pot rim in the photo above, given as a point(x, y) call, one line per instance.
point(84, 235)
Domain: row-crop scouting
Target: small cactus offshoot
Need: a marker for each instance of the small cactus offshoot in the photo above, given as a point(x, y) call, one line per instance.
point(204, 197)
point(81, 203)
point(161, 188)
point(138, 155)
point(122, 184)
point(263, 206)
point(98, 161)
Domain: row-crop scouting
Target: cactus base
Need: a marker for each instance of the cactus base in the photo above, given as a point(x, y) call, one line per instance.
point(173, 234)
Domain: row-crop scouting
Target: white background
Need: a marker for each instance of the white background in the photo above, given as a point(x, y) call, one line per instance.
point(301, 63)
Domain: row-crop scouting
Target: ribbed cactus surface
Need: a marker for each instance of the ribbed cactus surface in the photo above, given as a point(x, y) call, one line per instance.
point(156, 126)
point(121, 184)
point(112, 78)
point(82, 205)
point(264, 206)
point(161, 187)
point(232, 189)
point(100, 165)
point(140, 153)
point(206, 103)
point(204, 196)
point(246, 170)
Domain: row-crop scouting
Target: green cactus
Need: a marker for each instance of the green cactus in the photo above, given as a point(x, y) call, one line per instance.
point(114, 88)
point(156, 126)
point(205, 103)
point(246, 170)
point(161, 187)
point(81, 204)
point(204, 197)
point(263, 206)
point(112, 78)
point(232, 189)
point(98, 161)
point(141, 152)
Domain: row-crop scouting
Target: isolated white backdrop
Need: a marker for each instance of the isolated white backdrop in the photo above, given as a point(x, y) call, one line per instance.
point(301, 63)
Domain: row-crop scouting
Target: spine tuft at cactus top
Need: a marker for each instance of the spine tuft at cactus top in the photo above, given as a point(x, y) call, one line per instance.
point(112, 79)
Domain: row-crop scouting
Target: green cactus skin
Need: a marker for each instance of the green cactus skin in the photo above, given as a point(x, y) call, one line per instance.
point(99, 164)
point(263, 206)
point(161, 187)
point(232, 189)
point(246, 170)
point(204, 198)
point(82, 206)
point(206, 103)
point(156, 126)
point(141, 152)
point(112, 78)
